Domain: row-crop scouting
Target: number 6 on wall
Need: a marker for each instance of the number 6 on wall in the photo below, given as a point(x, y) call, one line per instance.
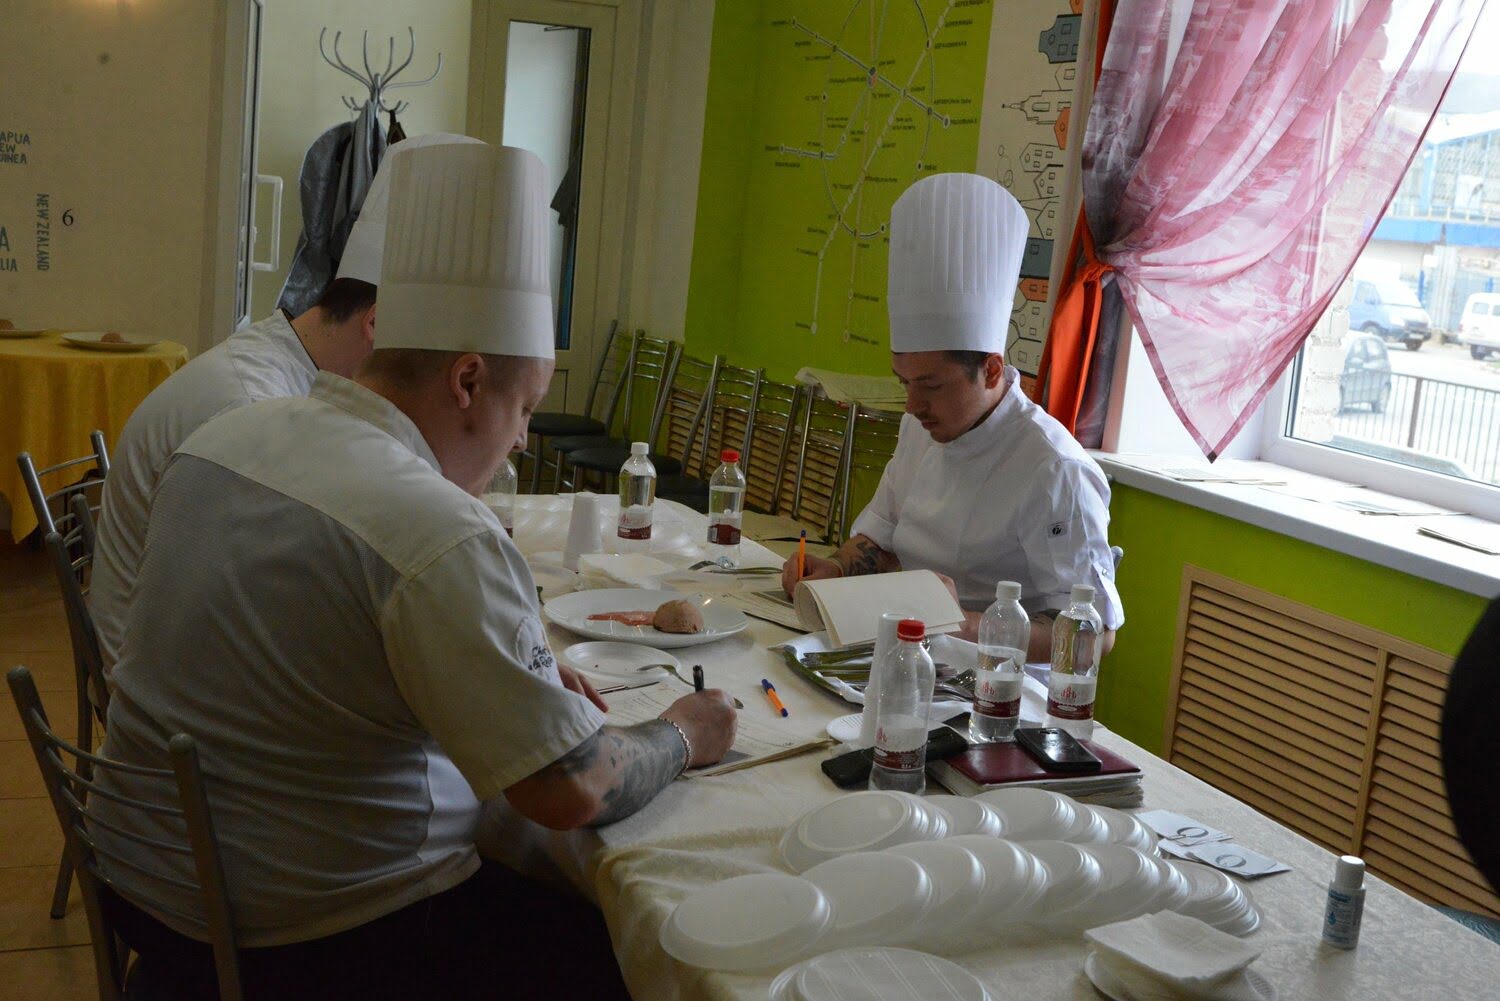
point(274, 264)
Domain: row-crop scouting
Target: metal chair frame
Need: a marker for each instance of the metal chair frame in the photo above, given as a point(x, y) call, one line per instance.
point(826, 429)
point(70, 790)
point(41, 501)
point(652, 360)
point(609, 365)
point(870, 431)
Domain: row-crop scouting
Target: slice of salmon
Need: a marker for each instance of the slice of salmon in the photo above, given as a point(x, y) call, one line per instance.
point(625, 618)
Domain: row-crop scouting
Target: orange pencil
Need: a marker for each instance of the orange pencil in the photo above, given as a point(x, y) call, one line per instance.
point(802, 555)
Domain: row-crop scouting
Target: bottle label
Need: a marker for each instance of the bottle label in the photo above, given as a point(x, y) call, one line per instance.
point(899, 761)
point(635, 522)
point(724, 533)
point(900, 745)
point(997, 694)
point(1071, 697)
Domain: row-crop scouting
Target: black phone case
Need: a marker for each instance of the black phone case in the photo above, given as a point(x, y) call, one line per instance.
point(853, 768)
point(1077, 759)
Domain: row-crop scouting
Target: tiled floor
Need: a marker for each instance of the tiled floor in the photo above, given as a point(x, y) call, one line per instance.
point(39, 958)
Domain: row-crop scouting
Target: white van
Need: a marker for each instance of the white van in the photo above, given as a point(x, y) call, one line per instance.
point(1480, 326)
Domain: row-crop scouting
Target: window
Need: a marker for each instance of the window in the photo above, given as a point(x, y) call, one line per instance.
point(1398, 386)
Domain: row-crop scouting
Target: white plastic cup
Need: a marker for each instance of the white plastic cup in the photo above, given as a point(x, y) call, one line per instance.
point(584, 534)
point(885, 640)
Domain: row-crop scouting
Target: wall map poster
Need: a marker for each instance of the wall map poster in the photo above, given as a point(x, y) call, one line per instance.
point(1024, 144)
point(854, 100)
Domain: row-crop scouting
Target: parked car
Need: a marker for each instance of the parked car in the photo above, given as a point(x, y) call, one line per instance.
point(1389, 309)
point(1367, 374)
point(1480, 326)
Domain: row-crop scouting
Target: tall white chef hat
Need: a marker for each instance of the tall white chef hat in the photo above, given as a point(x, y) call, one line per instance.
point(366, 243)
point(956, 247)
point(468, 253)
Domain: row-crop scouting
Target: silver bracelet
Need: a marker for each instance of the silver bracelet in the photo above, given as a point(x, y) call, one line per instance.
point(687, 745)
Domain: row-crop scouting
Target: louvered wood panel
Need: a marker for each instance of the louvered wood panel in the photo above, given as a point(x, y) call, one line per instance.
point(1330, 727)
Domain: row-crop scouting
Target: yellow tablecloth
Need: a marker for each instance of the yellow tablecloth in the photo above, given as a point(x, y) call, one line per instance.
point(52, 395)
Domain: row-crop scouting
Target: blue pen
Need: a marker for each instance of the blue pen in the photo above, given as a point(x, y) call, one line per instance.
point(770, 691)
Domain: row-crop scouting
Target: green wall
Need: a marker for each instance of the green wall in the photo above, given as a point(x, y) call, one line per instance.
point(1160, 536)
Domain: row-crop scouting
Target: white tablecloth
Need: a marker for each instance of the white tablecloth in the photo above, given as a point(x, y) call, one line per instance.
point(703, 830)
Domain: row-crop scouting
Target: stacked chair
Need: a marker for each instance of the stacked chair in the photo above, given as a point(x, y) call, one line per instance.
point(726, 421)
point(604, 394)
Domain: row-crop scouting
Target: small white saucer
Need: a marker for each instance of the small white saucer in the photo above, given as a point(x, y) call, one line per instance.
point(845, 728)
point(619, 661)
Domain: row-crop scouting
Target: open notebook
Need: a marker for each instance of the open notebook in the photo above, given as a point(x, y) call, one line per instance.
point(849, 607)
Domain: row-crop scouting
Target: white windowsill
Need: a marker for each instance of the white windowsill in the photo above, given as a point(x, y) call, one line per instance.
point(1388, 541)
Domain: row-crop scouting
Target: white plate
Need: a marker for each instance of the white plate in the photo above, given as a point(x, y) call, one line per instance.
point(1130, 881)
point(619, 661)
point(572, 611)
point(91, 342)
point(1073, 875)
point(1089, 827)
point(958, 885)
point(859, 822)
point(968, 816)
point(885, 975)
point(1110, 986)
point(19, 335)
point(1032, 814)
point(756, 922)
point(878, 898)
point(1011, 883)
point(554, 579)
point(846, 728)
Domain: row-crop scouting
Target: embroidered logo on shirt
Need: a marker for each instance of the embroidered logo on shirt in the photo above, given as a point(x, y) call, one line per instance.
point(532, 650)
point(1057, 529)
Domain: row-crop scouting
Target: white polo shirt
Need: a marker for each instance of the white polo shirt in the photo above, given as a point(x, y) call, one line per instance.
point(1016, 498)
point(355, 644)
point(264, 361)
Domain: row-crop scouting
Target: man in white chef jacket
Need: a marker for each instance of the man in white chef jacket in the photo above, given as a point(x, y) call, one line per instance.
point(356, 644)
point(278, 356)
point(984, 486)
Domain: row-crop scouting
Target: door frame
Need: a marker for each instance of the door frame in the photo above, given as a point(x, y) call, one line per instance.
point(614, 25)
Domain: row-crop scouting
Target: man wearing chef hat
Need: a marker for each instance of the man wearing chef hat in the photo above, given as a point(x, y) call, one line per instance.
point(984, 486)
point(279, 356)
point(355, 641)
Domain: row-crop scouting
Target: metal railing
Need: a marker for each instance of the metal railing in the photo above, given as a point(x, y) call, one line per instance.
point(1433, 418)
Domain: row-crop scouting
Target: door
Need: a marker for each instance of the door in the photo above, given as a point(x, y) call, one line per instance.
point(544, 76)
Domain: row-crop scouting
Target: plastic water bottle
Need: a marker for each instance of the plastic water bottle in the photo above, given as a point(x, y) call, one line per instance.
point(501, 496)
point(726, 510)
point(902, 707)
point(637, 499)
point(1004, 634)
point(1075, 665)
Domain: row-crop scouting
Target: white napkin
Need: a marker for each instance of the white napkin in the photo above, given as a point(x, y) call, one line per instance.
point(629, 569)
point(1166, 956)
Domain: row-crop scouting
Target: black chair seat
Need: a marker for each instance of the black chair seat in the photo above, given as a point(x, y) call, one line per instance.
point(686, 490)
point(578, 442)
point(610, 458)
point(551, 424)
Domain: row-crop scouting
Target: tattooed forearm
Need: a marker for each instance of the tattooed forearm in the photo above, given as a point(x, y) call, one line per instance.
point(861, 555)
point(630, 765)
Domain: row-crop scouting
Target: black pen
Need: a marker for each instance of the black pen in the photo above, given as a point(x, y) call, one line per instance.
point(697, 677)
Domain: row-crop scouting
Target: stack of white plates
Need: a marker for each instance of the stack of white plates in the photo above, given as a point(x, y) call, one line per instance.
point(1215, 899)
point(958, 882)
point(1014, 879)
point(1126, 829)
point(757, 922)
point(1032, 814)
point(878, 898)
point(1130, 881)
point(968, 816)
point(877, 975)
point(860, 822)
point(1074, 876)
point(1090, 827)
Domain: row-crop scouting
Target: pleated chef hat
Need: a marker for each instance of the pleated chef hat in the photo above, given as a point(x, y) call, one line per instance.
point(956, 246)
point(468, 252)
point(366, 243)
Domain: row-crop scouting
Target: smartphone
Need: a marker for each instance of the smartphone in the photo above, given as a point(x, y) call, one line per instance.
point(853, 769)
point(1056, 750)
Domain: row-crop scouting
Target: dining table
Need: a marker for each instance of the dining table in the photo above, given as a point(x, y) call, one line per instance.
point(53, 394)
point(701, 830)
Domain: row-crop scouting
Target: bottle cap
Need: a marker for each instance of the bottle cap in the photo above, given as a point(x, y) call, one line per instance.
point(1008, 590)
point(911, 630)
point(1083, 594)
point(1349, 872)
point(639, 448)
point(730, 455)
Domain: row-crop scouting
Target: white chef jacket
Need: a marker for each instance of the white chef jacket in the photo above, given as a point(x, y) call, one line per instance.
point(264, 361)
point(357, 647)
point(1016, 498)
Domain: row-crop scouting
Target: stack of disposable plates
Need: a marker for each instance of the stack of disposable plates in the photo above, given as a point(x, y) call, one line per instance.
point(1075, 875)
point(967, 815)
point(1126, 829)
point(1215, 899)
point(1032, 814)
point(1129, 883)
point(877, 975)
point(878, 898)
point(958, 881)
point(756, 922)
point(1014, 879)
point(1090, 827)
point(860, 822)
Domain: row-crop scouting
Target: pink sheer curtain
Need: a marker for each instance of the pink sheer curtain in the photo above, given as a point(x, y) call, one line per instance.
point(1232, 204)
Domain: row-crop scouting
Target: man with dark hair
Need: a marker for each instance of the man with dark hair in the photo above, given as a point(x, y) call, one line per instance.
point(984, 485)
point(279, 356)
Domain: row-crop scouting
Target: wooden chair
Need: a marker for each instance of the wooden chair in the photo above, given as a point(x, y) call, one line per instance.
point(604, 393)
point(71, 790)
point(88, 482)
point(727, 422)
point(651, 373)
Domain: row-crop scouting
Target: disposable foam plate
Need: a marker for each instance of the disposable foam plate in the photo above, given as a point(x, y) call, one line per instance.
point(1010, 878)
point(957, 883)
point(885, 975)
point(1174, 889)
point(1125, 829)
point(619, 662)
point(1074, 875)
point(1129, 882)
point(968, 816)
point(861, 821)
point(755, 922)
point(1209, 887)
point(878, 898)
point(1089, 828)
point(1031, 814)
point(845, 728)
